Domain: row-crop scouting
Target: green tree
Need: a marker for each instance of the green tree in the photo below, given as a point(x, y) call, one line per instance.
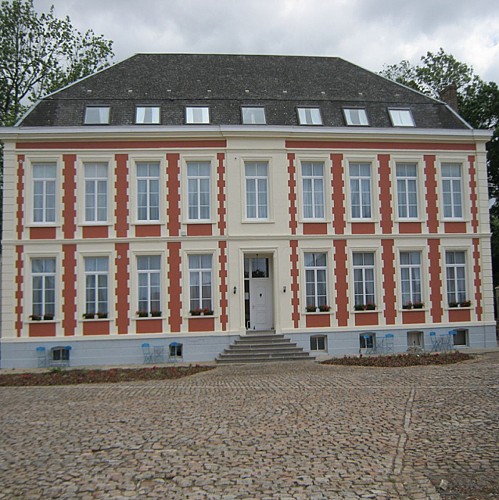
point(40, 53)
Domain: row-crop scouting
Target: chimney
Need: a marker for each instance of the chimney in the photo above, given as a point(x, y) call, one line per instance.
point(449, 96)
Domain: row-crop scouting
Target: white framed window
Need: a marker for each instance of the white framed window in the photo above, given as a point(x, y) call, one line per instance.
point(43, 275)
point(95, 192)
point(313, 190)
point(200, 282)
point(410, 278)
point(315, 279)
point(360, 190)
point(257, 190)
point(461, 338)
point(452, 190)
point(149, 283)
point(253, 115)
point(455, 268)
point(44, 192)
point(97, 115)
point(318, 343)
point(198, 187)
point(367, 340)
point(356, 116)
point(407, 190)
point(401, 117)
point(309, 116)
point(197, 114)
point(148, 191)
point(363, 275)
point(147, 114)
point(96, 286)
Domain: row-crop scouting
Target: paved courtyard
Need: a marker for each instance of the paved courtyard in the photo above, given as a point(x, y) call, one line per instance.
point(297, 430)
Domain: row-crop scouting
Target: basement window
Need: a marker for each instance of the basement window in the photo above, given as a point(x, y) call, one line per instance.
point(318, 343)
point(97, 115)
point(401, 117)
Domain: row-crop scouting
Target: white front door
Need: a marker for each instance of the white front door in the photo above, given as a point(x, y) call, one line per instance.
point(259, 298)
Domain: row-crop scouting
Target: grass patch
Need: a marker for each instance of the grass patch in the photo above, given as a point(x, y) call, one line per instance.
point(96, 376)
point(401, 360)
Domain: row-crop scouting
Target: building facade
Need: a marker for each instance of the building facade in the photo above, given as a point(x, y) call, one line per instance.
point(194, 198)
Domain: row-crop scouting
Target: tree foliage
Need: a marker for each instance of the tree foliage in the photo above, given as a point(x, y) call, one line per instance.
point(40, 53)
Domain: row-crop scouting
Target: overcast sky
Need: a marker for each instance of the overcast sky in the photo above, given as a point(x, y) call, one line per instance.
point(369, 33)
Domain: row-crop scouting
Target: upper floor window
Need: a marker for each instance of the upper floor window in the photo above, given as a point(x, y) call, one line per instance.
point(257, 192)
point(198, 186)
point(410, 278)
point(315, 279)
point(401, 117)
point(407, 190)
point(147, 114)
point(149, 283)
point(360, 190)
point(44, 192)
point(197, 114)
point(309, 116)
point(95, 192)
point(253, 116)
point(452, 191)
point(313, 190)
point(43, 273)
point(97, 115)
point(148, 191)
point(96, 286)
point(355, 116)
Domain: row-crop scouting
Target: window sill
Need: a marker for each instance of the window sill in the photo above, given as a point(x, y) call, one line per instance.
point(94, 224)
point(257, 221)
point(43, 321)
point(147, 223)
point(367, 311)
point(311, 313)
point(147, 318)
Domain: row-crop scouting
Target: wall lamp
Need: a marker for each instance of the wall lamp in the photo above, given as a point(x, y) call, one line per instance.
point(284, 289)
point(235, 290)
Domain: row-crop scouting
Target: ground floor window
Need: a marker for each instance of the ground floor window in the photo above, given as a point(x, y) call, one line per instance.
point(461, 338)
point(318, 343)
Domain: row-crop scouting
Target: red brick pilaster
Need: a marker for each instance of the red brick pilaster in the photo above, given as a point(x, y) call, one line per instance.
point(174, 286)
point(473, 194)
point(222, 209)
point(19, 289)
point(338, 193)
point(388, 268)
point(293, 224)
point(431, 193)
point(437, 273)
point(122, 279)
point(20, 196)
point(173, 185)
point(69, 196)
point(477, 281)
point(385, 194)
point(341, 282)
point(295, 284)
point(69, 292)
point(222, 259)
point(121, 197)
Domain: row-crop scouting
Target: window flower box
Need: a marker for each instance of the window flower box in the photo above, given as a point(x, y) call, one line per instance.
point(310, 309)
point(207, 311)
point(35, 317)
point(418, 305)
point(407, 305)
point(196, 312)
point(324, 308)
point(465, 303)
point(48, 317)
point(156, 314)
point(88, 316)
point(142, 314)
point(102, 315)
point(453, 303)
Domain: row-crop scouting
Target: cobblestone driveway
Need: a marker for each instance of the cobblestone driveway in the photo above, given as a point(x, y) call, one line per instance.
point(297, 430)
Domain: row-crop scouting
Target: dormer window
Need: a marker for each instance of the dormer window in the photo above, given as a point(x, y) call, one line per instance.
point(197, 114)
point(97, 115)
point(356, 116)
point(309, 116)
point(401, 117)
point(147, 114)
point(253, 116)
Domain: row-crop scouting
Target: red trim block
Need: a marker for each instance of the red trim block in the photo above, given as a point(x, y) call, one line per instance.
point(95, 231)
point(147, 230)
point(341, 281)
point(69, 196)
point(457, 315)
point(338, 193)
point(96, 328)
point(413, 316)
point(202, 324)
point(42, 233)
point(122, 288)
point(318, 320)
point(410, 227)
point(19, 290)
point(435, 280)
point(477, 278)
point(385, 196)
point(20, 196)
point(293, 224)
point(363, 228)
point(473, 194)
point(199, 230)
point(149, 325)
point(415, 146)
point(431, 193)
point(114, 145)
point(295, 287)
point(222, 210)
point(366, 319)
point(222, 259)
point(121, 199)
point(174, 286)
point(173, 186)
point(42, 329)
point(388, 266)
point(69, 293)
point(315, 228)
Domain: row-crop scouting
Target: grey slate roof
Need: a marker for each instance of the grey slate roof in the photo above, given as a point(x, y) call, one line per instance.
point(227, 82)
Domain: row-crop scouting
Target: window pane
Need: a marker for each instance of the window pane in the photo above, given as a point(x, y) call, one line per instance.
point(254, 116)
